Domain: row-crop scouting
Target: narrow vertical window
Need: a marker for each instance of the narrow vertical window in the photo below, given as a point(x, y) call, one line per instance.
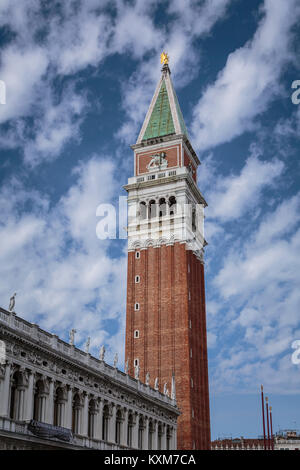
point(194, 220)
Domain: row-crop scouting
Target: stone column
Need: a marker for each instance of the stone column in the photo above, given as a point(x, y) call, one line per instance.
point(99, 421)
point(174, 439)
point(78, 419)
point(124, 428)
point(164, 437)
point(20, 403)
point(22, 384)
point(93, 420)
point(28, 415)
point(85, 411)
point(112, 424)
point(61, 412)
point(43, 412)
point(5, 391)
point(145, 433)
point(68, 408)
point(135, 431)
point(50, 399)
point(154, 435)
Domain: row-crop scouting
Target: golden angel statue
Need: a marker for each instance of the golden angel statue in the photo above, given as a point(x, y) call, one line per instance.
point(164, 58)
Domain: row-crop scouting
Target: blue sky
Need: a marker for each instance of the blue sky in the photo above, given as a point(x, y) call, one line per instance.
point(79, 78)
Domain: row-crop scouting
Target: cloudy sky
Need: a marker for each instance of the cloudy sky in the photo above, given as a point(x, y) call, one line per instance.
point(79, 76)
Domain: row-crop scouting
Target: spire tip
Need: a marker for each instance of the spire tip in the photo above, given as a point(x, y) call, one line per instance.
point(164, 59)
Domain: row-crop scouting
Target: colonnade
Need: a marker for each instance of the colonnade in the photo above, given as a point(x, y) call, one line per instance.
point(25, 395)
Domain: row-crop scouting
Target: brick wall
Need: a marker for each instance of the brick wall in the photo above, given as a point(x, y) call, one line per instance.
point(171, 295)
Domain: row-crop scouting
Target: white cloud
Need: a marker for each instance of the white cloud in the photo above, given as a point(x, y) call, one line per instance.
point(21, 88)
point(249, 80)
point(234, 195)
point(282, 221)
point(67, 39)
point(134, 29)
point(61, 42)
point(258, 289)
point(54, 126)
point(64, 276)
point(81, 39)
point(288, 127)
point(211, 340)
point(199, 18)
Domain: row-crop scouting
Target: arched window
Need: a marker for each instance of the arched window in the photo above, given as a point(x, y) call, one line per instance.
point(194, 219)
point(105, 423)
point(162, 207)
point(129, 430)
point(76, 414)
point(140, 433)
point(172, 205)
point(59, 407)
point(91, 418)
point(143, 210)
point(152, 209)
point(118, 426)
point(150, 435)
point(39, 401)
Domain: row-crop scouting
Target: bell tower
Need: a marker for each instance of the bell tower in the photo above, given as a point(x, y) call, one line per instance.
point(165, 318)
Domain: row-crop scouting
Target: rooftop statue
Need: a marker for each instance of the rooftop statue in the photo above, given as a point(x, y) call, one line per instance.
point(87, 345)
point(137, 372)
point(72, 336)
point(12, 303)
point(102, 353)
point(116, 360)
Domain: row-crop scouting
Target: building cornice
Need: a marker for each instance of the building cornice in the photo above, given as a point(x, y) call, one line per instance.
point(167, 180)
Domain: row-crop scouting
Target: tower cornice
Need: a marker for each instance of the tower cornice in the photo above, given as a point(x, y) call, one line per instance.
point(167, 180)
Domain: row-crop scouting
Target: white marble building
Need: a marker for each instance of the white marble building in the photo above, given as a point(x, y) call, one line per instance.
point(53, 395)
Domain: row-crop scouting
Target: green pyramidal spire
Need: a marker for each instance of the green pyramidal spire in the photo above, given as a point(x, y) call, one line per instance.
point(161, 121)
point(164, 116)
